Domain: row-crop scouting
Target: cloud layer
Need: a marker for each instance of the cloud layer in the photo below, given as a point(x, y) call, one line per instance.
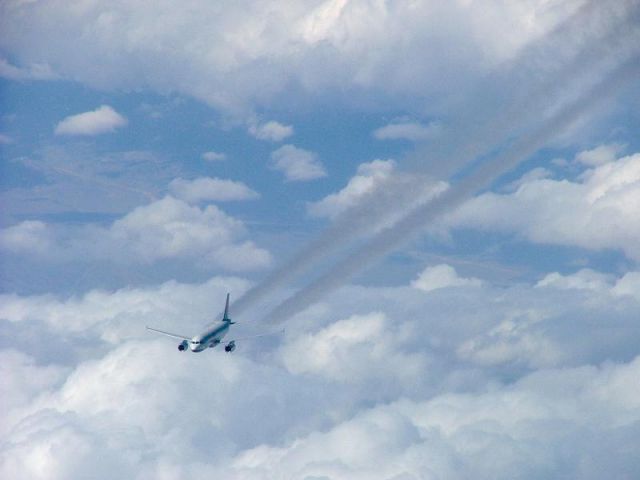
point(374, 383)
point(310, 46)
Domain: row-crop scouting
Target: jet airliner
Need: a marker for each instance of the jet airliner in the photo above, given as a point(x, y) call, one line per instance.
point(210, 338)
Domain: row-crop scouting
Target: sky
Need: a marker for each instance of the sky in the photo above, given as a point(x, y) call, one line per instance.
point(437, 202)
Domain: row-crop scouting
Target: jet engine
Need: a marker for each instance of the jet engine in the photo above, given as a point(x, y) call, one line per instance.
point(230, 347)
point(183, 345)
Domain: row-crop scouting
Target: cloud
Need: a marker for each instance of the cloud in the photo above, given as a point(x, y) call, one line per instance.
point(442, 276)
point(600, 155)
point(77, 179)
point(104, 119)
point(210, 189)
point(354, 350)
point(5, 139)
point(213, 156)
point(377, 382)
point(271, 130)
point(314, 48)
point(415, 132)
point(585, 279)
point(35, 71)
point(29, 236)
point(509, 431)
point(162, 230)
point(368, 177)
point(297, 164)
point(596, 211)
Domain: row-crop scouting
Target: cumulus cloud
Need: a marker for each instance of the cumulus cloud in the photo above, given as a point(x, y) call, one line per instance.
point(297, 164)
point(271, 130)
point(600, 155)
point(314, 47)
point(367, 179)
point(378, 382)
point(354, 350)
point(103, 119)
point(212, 156)
point(510, 431)
point(210, 189)
point(374, 187)
point(596, 211)
point(29, 236)
point(162, 230)
point(442, 276)
point(585, 279)
point(412, 131)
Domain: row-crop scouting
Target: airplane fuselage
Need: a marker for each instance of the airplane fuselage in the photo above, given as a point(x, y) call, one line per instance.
point(209, 338)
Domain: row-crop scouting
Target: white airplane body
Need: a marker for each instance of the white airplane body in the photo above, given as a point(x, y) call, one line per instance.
point(210, 338)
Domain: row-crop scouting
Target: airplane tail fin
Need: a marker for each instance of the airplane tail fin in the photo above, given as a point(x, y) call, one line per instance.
point(225, 317)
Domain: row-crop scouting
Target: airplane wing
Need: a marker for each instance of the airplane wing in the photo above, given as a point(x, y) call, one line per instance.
point(169, 334)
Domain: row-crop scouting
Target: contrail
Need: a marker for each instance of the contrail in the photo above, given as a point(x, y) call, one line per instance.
point(482, 178)
point(481, 135)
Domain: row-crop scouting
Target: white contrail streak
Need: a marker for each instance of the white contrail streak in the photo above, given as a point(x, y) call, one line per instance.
point(481, 135)
point(482, 178)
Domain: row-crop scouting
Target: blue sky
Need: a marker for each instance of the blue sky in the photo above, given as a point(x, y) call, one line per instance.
point(438, 201)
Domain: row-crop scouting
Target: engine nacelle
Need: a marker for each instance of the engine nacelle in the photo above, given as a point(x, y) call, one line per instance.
point(183, 345)
point(230, 347)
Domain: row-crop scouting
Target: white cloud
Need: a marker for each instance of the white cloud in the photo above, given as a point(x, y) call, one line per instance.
point(162, 230)
point(271, 130)
point(597, 211)
point(35, 71)
point(577, 421)
point(600, 155)
point(367, 179)
point(415, 132)
point(354, 350)
point(585, 279)
point(29, 236)
point(364, 202)
point(297, 164)
point(404, 51)
point(170, 228)
point(103, 119)
point(210, 189)
point(442, 276)
point(471, 382)
point(213, 156)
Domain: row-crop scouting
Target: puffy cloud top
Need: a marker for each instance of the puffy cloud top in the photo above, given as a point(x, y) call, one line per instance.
point(104, 119)
point(297, 164)
point(315, 45)
point(442, 276)
point(598, 210)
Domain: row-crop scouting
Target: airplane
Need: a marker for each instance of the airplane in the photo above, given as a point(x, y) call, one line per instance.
point(211, 337)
